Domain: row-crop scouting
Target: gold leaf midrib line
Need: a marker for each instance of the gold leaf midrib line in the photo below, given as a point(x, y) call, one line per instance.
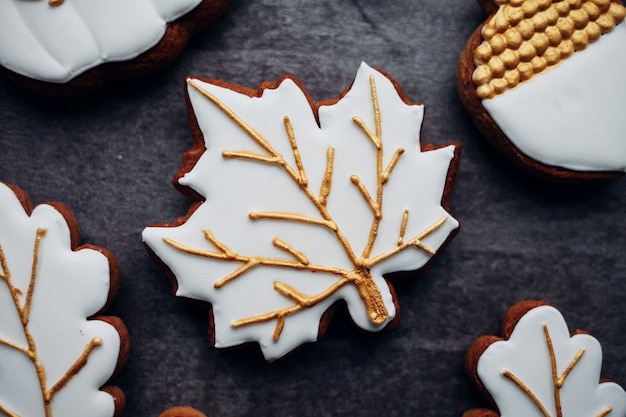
point(256, 260)
point(41, 233)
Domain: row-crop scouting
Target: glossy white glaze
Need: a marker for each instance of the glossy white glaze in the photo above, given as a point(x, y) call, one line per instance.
point(234, 187)
point(571, 116)
point(56, 44)
point(526, 355)
point(70, 286)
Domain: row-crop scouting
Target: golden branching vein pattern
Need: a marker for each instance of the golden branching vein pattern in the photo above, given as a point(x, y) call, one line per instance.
point(30, 350)
point(557, 381)
point(360, 276)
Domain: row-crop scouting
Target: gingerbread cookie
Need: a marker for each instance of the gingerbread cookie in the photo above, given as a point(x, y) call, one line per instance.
point(182, 411)
point(302, 205)
point(538, 369)
point(543, 81)
point(71, 47)
point(56, 351)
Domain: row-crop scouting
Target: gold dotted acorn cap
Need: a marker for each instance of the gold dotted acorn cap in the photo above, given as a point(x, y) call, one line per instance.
point(527, 37)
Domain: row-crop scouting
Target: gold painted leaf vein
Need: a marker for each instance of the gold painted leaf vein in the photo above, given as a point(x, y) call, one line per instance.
point(557, 381)
point(360, 275)
point(30, 351)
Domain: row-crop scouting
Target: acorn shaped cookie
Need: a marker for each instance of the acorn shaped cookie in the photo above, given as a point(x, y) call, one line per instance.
point(544, 82)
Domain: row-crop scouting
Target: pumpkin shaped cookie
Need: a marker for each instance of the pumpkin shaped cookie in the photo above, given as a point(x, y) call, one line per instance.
point(70, 47)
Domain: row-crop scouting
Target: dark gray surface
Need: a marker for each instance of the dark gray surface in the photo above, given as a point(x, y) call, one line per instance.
point(111, 158)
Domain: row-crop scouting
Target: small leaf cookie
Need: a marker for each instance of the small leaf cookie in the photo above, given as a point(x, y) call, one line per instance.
point(56, 352)
point(539, 369)
point(543, 81)
point(301, 205)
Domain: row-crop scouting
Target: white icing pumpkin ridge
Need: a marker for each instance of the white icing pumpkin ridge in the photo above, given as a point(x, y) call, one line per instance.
point(56, 41)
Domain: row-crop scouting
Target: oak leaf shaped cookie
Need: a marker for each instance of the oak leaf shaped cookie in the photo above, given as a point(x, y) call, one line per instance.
point(538, 369)
point(543, 82)
point(54, 354)
point(303, 205)
point(60, 46)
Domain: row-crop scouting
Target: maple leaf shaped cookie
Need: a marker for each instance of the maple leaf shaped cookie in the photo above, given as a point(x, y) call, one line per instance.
point(538, 369)
point(543, 81)
point(59, 47)
point(305, 205)
point(54, 354)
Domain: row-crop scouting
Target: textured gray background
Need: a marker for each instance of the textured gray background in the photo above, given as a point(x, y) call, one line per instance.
point(111, 158)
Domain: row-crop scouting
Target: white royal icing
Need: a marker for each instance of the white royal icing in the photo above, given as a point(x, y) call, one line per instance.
point(571, 116)
point(69, 287)
point(526, 355)
point(56, 44)
point(234, 187)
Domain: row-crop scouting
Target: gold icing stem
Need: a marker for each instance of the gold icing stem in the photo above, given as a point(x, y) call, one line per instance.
point(371, 296)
